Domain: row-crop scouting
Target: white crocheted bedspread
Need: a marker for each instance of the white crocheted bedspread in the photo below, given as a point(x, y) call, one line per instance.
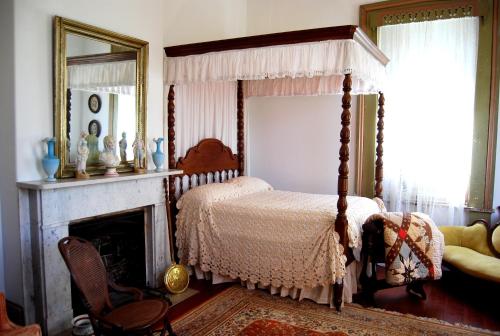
point(244, 229)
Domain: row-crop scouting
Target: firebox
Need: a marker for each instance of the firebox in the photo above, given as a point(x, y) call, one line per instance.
point(120, 240)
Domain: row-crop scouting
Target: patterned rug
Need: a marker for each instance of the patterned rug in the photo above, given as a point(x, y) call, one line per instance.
point(238, 311)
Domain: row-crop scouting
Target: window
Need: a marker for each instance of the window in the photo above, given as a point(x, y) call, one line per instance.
point(374, 19)
point(431, 81)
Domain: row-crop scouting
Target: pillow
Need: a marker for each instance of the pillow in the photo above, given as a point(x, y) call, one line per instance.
point(249, 184)
point(207, 194)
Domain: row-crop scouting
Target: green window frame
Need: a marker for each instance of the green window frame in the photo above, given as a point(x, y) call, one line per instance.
point(374, 15)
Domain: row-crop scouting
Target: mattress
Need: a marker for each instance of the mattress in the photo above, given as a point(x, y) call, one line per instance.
point(246, 230)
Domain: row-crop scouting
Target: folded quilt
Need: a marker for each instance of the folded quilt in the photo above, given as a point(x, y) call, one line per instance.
point(413, 247)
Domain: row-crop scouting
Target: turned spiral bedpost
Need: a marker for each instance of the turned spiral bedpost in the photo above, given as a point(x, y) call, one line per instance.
point(342, 187)
point(171, 165)
point(68, 114)
point(241, 129)
point(379, 164)
point(171, 142)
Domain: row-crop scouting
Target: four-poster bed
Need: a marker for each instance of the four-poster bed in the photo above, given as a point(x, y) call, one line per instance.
point(339, 55)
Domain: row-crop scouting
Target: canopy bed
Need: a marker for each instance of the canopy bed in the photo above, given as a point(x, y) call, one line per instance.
point(332, 60)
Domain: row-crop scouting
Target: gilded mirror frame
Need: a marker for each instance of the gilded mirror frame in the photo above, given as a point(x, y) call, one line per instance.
point(62, 27)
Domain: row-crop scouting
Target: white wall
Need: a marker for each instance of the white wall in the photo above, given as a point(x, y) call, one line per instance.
point(294, 141)
point(271, 16)
point(8, 191)
point(190, 21)
point(33, 23)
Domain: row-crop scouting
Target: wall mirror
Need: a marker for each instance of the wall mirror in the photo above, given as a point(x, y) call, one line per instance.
point(99, 88)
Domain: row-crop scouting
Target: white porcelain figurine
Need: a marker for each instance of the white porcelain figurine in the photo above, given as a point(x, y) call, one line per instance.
point(82, 153)
point(109, 157)
point(123, 147)
point(139, 157)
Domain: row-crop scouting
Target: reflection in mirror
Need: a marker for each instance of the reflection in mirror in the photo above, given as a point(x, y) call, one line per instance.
point(100, 96)
point(100, 88)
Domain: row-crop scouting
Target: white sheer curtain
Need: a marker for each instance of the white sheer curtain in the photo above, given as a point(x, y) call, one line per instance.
point(205, 110)
point(429, 115)
point(111, 77)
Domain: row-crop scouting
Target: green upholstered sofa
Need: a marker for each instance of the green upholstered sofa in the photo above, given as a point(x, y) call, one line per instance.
point(474, 249)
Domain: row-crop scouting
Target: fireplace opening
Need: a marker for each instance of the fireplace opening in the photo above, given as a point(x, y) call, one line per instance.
point(120, 240)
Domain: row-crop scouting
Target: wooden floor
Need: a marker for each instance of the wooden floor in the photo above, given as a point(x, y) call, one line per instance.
point(454, 298)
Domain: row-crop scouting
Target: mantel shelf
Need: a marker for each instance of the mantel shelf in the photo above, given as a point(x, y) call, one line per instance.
point(73, 182)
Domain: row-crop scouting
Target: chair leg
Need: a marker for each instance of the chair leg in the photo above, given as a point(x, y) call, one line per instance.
point(168, 326)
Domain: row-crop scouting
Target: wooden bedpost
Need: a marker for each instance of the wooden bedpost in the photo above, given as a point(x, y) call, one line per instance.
point(341, 220)
point(241, 130)
point(379, 164)
point(171, 165)
point(171, 141)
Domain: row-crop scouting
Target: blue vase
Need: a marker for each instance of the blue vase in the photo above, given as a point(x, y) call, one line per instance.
point(158, 156)
point(50, 162)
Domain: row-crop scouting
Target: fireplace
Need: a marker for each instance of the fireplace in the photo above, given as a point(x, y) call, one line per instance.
point(120, 240)
point(52, 211)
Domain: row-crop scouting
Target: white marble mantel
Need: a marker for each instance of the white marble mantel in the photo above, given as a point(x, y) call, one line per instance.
point(47, 209)
point(100, 179)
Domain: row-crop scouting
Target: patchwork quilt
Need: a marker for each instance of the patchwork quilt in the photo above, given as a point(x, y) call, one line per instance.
point(414, 247)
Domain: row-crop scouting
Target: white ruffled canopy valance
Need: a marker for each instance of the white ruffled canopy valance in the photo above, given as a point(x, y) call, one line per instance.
point(333, 59)
point(112, 77)
point(304, 86)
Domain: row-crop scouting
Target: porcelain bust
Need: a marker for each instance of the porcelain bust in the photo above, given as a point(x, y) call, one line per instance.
point(109, 157)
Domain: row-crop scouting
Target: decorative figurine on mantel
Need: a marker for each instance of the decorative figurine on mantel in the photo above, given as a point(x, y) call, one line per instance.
point(139, 157)
point(109, 157)
point(50, 162)
point(158, 156)
point(82, 153)
point(123, 147)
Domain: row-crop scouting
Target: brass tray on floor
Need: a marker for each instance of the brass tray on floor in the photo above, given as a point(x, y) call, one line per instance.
point(176, 278)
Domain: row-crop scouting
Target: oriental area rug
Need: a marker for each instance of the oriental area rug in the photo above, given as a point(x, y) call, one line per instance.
point(238, 311)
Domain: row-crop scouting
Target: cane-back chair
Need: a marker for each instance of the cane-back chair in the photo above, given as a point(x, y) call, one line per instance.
point(89, 275)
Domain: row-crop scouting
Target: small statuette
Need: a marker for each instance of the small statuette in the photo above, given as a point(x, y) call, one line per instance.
point(123, 148)
point(50, 162)
point(82, 153)
point(139, 157)
point(158, 156)
point(109, 157)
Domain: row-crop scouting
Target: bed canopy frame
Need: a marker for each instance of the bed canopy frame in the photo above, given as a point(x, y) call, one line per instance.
point(211, 155)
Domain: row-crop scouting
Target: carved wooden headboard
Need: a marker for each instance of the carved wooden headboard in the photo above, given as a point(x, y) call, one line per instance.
point(208, 156)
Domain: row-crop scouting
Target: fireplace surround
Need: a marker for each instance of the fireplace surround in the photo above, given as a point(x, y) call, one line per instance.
point(46, 212)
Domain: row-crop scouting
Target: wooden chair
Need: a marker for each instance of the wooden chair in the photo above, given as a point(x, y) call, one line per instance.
point(7, 328)
point(89, 275)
